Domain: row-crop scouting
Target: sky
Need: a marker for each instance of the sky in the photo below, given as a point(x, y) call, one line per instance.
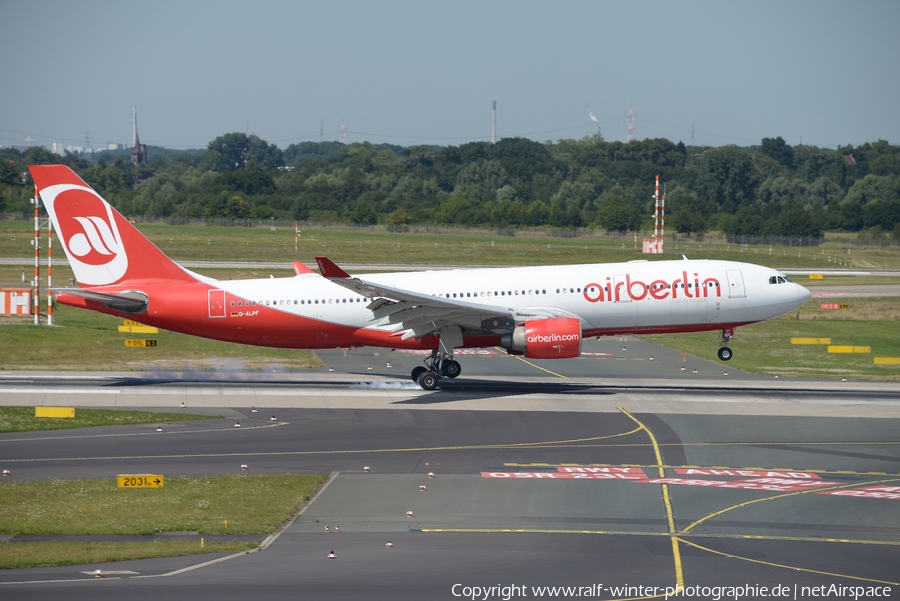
point(819, 72)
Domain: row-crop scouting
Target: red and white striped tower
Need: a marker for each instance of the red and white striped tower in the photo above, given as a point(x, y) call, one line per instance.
point(656, 218)
point(662, 225)
point(36, 288)
point(49, 274)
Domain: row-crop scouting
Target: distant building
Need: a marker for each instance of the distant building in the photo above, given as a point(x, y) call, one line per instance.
point(58, 149)
point(848, 158)
point(139, 153)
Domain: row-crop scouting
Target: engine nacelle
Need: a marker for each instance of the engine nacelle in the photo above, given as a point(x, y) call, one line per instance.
point(557, 338)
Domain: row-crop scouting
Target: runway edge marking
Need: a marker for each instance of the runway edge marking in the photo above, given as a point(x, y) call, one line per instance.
point(263, 545)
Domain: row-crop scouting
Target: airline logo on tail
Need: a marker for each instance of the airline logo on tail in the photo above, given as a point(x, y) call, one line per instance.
point(87, 227)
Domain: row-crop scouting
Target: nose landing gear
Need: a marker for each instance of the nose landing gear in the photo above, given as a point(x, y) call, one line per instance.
point(725, 353)
point(438, 365)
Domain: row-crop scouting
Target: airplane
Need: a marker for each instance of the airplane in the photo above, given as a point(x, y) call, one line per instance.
point(540, 312)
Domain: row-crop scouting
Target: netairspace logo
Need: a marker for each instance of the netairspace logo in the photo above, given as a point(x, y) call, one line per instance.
point(714, 593)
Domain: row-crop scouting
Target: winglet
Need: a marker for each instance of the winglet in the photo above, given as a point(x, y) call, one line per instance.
point(300, 268)
point(329, 269)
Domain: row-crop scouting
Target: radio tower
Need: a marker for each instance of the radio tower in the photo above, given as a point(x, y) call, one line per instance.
point(343, 134)
point(494, 124)
point(630, 122)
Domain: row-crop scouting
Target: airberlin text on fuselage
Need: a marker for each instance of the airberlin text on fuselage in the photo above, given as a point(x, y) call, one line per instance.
point(657, 289)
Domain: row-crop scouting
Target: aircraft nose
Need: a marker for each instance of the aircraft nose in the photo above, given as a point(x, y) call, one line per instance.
point(803, 294)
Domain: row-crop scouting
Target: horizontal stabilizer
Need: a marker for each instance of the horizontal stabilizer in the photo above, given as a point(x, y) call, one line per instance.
point(131, 301)
point(300, 268)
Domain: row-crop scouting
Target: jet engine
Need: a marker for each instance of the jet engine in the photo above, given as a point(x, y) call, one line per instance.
point(557, 338)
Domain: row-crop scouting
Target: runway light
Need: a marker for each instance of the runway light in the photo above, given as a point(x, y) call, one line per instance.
point(366, 469)
point(624, 349)
point(422, 488)
point(389, 544)
point(695, 371)
point(431, 474)
point(327, 529)
point(843, 379)
point(273, 419)
point(98, 573)
point(237, 424)
point(410, 514)
point(330, 369)
point(725, 374)
point(182, 404)
point(337, 529)
point(332, 555)
point(682, 368)
point(159, 428)
point(651, 357)
point(776, 377)
point(6, 472)
point(369, 368)
point(253, 410)
point(388, 364)
point(243, 466)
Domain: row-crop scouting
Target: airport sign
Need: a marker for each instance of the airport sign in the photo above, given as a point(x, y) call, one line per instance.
point(141, 481)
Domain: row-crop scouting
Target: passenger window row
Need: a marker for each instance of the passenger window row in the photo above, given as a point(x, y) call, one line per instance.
point(297, 302)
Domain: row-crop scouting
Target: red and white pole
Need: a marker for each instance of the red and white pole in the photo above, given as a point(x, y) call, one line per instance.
point(49, 275)
point(36, 290)
point(656, 218)
point(662, 225)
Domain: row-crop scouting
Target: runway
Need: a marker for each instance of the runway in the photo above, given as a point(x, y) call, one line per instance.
point(606, 471)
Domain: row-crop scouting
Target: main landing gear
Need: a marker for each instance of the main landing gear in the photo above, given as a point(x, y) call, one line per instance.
point(438, 365)
point(725, 353)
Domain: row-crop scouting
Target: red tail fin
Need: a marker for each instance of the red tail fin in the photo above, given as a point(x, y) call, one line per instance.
point(102, 247)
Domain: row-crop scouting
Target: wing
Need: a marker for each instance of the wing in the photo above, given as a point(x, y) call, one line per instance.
point(417, 314)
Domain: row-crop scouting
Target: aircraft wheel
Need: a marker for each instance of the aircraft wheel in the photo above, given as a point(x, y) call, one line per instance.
point(416, 372)
point(428, 380)
point(725, 353)
point(452, 368)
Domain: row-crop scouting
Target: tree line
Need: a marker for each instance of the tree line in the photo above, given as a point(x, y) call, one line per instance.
point(773, 189)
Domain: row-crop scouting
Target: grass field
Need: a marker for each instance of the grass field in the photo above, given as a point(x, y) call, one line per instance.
point(35, 555)
point(766, 348)
point(84, 340)
point(22, 419)
point(448, 246)
point(249, 504)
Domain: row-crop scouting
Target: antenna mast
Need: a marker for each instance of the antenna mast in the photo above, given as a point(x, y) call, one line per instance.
point(630, 122)
point(494, 124)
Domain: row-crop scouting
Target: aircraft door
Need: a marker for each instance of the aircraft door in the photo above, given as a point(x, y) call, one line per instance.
point(216, 303)
point(735, 283)
point(619, 290)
